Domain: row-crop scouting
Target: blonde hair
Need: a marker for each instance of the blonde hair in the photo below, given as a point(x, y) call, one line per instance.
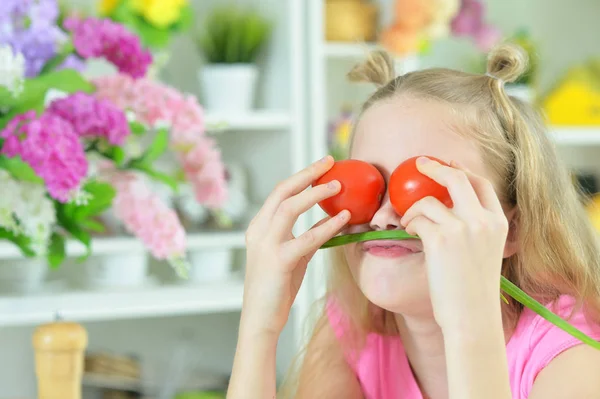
point(557, 247)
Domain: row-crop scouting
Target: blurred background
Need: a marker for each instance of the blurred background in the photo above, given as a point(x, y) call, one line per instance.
point(237, 96)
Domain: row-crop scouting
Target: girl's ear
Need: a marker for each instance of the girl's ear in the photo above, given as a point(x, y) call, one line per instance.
point(511, 246)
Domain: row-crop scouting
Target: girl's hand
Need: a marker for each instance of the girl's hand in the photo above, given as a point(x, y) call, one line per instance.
point(276, 260)
point(463, 246)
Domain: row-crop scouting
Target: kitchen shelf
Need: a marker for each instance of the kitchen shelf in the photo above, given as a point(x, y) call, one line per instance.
point(122, 304)
point(115, 245)
point(576, 136)
point(256, 120)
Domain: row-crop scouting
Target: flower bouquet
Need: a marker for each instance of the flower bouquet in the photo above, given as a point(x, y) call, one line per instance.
point(65, 142)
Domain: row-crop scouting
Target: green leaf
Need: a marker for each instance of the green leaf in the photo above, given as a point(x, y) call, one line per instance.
point(58, 59)
point(158, 146)
point(56, 251)
point(92, 225)
point(102, 198)
point(19, 169)
point(137, 128)
point(369, 235)
point(186, 19)
point(158, 176)
point(21, 241)
point(117, 154)
point(71, 226)
point(35, 89)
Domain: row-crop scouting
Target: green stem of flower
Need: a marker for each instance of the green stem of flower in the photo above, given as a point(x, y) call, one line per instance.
point(512, 290)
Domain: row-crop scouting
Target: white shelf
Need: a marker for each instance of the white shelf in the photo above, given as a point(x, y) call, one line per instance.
point(576, 136)
point(114, 245)
point(256, 120)
point(126, 304)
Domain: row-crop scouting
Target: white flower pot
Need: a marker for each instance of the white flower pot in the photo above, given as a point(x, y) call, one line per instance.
point(115, 271)
point(210, 265)
point(520, 91)
point(23, 275)
point(228, 87)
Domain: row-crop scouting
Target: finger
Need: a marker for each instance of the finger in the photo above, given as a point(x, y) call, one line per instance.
point(293, 185)
point(456, 181)
point(484, 189)
point(431, 208)
point(290, 209)
point(314, 238)
point(422, 226)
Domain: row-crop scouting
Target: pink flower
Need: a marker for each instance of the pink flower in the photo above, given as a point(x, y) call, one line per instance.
point(188, 122)
point(204, 170)
point(469, 19)
point(148, 218)
point(487, 37)
point(153, 102)
point(51, 147)
point(92, 117)
point(104, 38)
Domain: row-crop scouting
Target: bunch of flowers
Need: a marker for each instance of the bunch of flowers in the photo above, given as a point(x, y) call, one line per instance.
point(155, 21)
point(63, 153)
point(156, 104)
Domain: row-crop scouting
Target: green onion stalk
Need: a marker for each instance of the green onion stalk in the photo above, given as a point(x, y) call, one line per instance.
point(505, 285)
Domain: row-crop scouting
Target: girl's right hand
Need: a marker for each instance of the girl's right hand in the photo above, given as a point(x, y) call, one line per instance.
point(276, 260)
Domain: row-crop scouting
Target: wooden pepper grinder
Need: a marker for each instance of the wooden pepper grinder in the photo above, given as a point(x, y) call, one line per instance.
point(59, 355)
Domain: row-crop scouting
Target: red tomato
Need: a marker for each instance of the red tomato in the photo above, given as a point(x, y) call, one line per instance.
point(407, 185)
point(362, 189)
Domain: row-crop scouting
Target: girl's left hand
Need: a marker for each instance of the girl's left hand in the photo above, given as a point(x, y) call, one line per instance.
point(463, 246)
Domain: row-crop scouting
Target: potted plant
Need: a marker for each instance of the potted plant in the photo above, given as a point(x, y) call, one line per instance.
point(230, 44)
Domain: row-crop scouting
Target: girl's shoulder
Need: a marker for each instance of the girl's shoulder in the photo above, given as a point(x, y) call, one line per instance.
point(536, 342)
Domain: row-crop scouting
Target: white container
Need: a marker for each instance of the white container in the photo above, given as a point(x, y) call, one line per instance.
point(228, 87)
point(22, 275)
point(210, 265)
point(116, 271)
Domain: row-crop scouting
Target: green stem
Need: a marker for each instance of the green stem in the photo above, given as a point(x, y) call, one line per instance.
point(544, 312)
point(367, 236)
point(508, 287)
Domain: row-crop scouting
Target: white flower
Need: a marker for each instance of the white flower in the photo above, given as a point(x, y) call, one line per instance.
point(25, 209)
point(12, 69)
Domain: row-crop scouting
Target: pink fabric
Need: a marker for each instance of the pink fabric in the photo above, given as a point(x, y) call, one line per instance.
point(383, 370)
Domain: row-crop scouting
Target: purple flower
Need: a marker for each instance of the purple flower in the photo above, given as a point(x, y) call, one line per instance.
point(30, 27)
point(51, 147)
point(72, 62)
point(92, 117)
point(104, 38)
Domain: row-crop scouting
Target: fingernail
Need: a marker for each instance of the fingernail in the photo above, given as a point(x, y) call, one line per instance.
point(324, 159)
point(343, 215)
point(422, 160)
point(332, 185)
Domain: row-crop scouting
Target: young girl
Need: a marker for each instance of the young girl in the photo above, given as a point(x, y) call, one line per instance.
point(423, 318)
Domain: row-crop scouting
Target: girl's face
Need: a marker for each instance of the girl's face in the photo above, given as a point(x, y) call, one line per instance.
point(392, 274)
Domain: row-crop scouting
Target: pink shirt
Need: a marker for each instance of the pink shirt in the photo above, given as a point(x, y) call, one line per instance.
point(383, 370)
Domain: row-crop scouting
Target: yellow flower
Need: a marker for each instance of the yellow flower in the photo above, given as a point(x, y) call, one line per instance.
point(160, 13)
point(107, 6)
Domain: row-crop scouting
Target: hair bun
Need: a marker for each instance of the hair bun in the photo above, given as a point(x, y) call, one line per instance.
point(377, 69)
point(507, 62)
